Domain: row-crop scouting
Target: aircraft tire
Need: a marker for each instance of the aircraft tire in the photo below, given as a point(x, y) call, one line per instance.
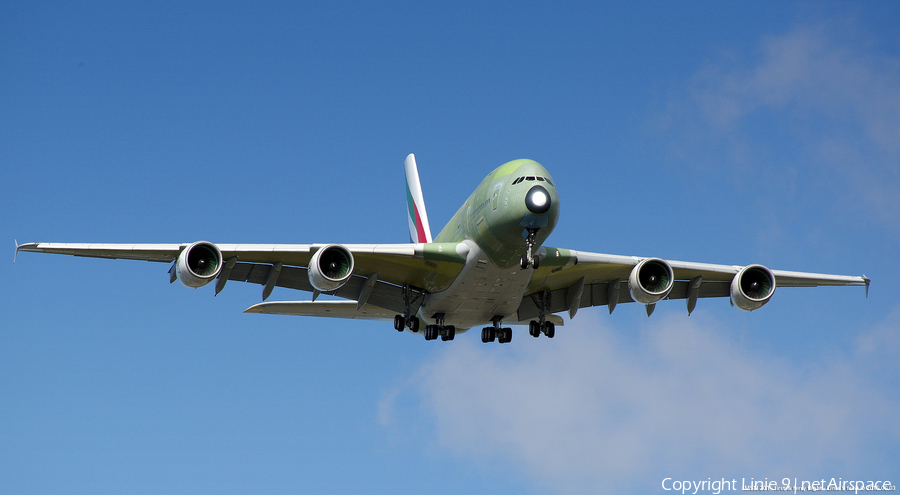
point(399, 323)
point(549, 329)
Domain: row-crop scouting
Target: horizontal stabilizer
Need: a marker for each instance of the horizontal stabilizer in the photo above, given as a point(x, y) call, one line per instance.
point(328, 309)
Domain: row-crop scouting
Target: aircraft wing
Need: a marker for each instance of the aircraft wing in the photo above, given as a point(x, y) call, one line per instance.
point(386, 268)
point(569, 280)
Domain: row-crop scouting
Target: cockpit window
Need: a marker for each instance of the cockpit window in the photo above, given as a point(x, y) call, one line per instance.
point(542, 179)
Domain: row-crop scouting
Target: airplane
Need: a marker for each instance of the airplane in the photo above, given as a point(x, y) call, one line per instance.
point(488, 266)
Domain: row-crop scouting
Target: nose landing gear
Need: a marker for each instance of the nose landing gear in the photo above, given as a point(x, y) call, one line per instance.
point(528, 258)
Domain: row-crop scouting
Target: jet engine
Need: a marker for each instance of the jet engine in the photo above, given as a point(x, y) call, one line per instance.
point(198, 264)
point(330, 268)
point(650, 281)
point(752, 287)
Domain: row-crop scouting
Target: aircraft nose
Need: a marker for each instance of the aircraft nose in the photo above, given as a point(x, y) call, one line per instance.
point(537, 200)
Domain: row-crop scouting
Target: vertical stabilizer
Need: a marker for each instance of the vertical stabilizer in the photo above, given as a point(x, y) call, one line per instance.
point(419, 231)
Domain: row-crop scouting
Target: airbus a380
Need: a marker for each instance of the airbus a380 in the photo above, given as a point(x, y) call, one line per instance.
point(487, 267)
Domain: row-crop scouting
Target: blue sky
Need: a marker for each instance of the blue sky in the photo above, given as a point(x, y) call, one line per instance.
point(716, 132)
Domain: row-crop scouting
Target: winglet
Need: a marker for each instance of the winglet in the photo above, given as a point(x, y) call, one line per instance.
point(867, 285)
point(419, 230)
point(28, 246)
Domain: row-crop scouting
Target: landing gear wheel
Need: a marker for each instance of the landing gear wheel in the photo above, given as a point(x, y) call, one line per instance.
point(414, 324)
point(504, 335)
point(399, 323)
point(524, 262)
point(535, 262)
point(488, 334)
point(549, 329)
point(534, 329)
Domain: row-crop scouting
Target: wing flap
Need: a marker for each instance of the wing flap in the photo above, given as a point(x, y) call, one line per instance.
point(383, 295)
point(598, 295)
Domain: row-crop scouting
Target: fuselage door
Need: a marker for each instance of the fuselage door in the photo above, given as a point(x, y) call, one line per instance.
point(496, 199)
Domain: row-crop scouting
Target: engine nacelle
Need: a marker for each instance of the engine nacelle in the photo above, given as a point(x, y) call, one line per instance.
point(198, 264)
point(330, 268)
point(650, 281)
point(752, 287)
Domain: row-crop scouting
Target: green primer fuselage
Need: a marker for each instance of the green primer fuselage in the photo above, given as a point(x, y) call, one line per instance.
point(495, 216)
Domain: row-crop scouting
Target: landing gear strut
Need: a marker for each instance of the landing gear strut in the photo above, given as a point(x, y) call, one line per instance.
point(528, 258)
point(503, 335)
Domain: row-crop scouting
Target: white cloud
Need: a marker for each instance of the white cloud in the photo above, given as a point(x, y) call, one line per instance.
point(589, 410)
point(883, 341)
point(820, 98)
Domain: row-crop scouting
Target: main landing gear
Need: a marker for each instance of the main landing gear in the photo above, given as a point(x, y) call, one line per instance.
point(402, 322)
point(445, 332)
point(408, 319)
point(432, 332)
point(536, 328)
point(541, 325)
point(503, 335)
point(528, 258)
